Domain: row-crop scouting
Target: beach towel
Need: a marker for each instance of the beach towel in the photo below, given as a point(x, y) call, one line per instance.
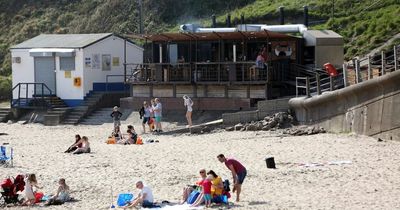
point(176, 207)
point(124, 198)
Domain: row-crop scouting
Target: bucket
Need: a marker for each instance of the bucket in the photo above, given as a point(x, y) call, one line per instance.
point(270, 162)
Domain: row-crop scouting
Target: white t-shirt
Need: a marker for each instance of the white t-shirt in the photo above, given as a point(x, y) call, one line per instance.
point(189, 104)
point(157, 110)
point(149, 194)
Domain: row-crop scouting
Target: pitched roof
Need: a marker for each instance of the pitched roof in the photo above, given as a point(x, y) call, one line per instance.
point(61, 41)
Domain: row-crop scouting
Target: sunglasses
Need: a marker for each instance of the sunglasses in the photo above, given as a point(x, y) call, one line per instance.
point(202, 172)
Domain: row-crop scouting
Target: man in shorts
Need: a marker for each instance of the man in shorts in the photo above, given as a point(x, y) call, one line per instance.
point(157, 108)
point(145, 197)
point(239, 172)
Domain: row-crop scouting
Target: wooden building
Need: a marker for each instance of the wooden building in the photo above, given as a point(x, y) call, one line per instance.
point(217, 69)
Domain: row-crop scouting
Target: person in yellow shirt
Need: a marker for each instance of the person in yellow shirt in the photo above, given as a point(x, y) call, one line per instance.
point(217, 185)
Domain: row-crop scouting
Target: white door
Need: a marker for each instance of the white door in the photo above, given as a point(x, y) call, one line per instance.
point(45, 73)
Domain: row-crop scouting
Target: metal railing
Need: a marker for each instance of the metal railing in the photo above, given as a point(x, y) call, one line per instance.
point(357, 71)
point(39, 92)
point(315, 81)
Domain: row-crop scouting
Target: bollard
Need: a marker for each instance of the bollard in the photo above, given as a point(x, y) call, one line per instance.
point(270, 162)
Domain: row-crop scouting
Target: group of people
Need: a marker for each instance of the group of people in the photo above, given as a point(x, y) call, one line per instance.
point(151, 112)
point(210, 186)
point(130, 138)
point(62, 194)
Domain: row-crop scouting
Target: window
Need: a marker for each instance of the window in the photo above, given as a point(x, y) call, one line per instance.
point(67, 63)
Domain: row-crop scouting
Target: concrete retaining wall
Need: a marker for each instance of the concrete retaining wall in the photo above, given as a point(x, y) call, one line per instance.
point(264, 108)
point(370, 108)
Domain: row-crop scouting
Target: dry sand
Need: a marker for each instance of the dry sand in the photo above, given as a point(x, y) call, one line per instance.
point(371, 181)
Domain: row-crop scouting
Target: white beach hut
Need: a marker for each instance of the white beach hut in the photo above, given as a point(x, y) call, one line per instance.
point(70, 66)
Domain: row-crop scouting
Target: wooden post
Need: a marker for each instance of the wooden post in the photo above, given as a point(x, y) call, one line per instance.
point(174, 90)
point(395, 58)
point(370, 76)
point(357, 68)
point(331, 88)
point(383, 63)
point(345, 75)
point(318, 83)
point(308, 87)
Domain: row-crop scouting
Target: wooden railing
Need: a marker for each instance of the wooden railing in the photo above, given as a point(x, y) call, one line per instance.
point(207, 72)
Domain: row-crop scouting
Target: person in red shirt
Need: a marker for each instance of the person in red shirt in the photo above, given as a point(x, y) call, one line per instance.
point(239, 172)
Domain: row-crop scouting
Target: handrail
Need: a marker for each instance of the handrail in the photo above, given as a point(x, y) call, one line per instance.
point(33, 96)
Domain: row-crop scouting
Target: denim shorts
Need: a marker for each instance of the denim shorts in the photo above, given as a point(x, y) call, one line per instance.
point(207, 197)
point(241, 176)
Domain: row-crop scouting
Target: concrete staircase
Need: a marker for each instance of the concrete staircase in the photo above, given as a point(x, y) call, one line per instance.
point(4, 114)
point(102, 116)
point(77, 113)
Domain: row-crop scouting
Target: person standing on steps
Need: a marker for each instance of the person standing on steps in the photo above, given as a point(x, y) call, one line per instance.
point(239, 172)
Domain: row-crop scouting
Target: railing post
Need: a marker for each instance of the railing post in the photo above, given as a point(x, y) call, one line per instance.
point(357, 67)
point(345, 75)
point(395, 58)
point(26, 93)
point(383, 63)
point(19, 94)
point(369, 68)
point(318, 83)
point(331, 88)
point(308, 87)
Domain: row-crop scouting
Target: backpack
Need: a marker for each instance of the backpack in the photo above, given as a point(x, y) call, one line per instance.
point(226, 186)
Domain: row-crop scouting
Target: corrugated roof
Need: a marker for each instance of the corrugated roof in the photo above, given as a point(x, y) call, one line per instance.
point(61, 41)
point(323, 34)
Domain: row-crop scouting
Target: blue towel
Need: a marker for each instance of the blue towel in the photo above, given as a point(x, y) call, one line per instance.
point(124, 198)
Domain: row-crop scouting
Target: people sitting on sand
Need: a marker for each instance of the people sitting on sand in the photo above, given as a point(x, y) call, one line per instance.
point(62, 194)
point(132, 135)
point(217, 187)
point(85, 146)
point(71, 148)
point(117, 134)
point(190, 188)
point(145, 197)
point(205, 195)
point(30, 182)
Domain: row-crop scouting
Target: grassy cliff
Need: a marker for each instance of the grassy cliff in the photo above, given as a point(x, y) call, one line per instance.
point(365, 24)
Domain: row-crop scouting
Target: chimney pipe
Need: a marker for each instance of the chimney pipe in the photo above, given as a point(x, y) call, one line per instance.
point(228, 21)
point(305, 15)
point(213, 21)
point(242, 19)
point(281, 15)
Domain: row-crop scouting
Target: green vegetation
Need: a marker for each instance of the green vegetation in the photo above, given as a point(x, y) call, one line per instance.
point(5, 87)
point(365, 24)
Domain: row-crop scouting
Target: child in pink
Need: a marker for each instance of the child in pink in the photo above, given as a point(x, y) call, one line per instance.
point(207, 190)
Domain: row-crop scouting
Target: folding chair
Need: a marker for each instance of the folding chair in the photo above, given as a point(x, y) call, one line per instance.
point(6, 160)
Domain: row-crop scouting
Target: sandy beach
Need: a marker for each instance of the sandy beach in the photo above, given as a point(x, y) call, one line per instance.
point(325, 171)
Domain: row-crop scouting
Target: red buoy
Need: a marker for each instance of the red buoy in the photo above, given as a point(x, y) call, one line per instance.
point(330, 69)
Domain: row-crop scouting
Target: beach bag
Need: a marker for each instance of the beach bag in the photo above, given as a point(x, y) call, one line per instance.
point(124, 198)
point(111, 140)
point(226, 185)
point(38, 197)
point(193, 196)
point(139, 140)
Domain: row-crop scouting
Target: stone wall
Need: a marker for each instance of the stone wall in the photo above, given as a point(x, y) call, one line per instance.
point(370, 108)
